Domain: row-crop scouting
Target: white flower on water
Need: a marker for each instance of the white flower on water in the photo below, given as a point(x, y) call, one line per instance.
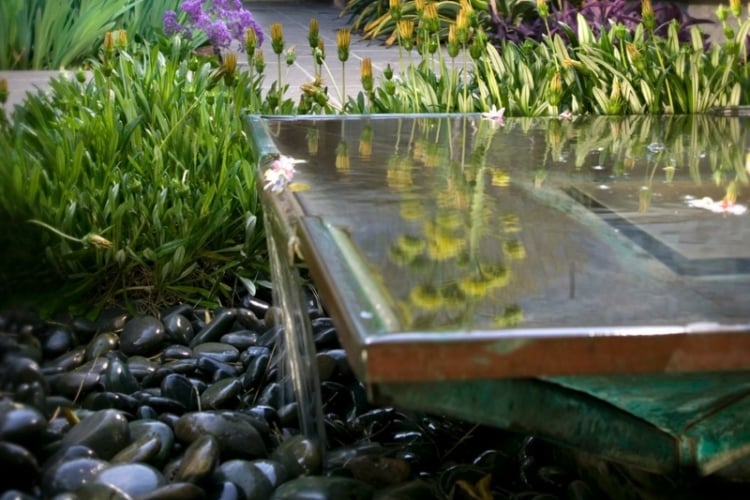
point(566, 115)
point(280, 173)
point(496, 116)
point(717, 207)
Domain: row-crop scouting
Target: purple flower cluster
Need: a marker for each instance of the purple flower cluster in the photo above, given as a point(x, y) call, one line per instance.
point(221, 20)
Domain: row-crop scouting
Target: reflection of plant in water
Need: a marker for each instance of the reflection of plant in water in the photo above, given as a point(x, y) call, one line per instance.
point(703, 148)
point(452, 252)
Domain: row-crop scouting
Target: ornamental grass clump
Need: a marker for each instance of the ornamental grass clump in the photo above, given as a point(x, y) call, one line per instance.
point(135, 186)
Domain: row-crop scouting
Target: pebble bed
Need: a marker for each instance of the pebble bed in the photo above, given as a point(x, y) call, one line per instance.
point(190, 404)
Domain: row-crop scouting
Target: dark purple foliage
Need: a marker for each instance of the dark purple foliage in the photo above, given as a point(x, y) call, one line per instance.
point(600, 15)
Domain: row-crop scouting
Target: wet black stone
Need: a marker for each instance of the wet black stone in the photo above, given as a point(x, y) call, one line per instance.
point(117, 376)
point(142, 335)
point(84, 329)
point(199, 460)
point(234, 431)
point(69, 360)
point(218, 351)
point(323, 488)
point(116, 401)
point(101, 344)
point(256, 366)
point(216, 369)
point(141, 428)
point(272, 395)
point(273, 471)
point(105, 432)
point(69, 475)
point(218, 326)
point(299, 455)
point(20, 423)
point(255, 305)
point(251, 481)
point(178, 329)
point(19, 467)
point(133, 479)
point(227, 490)
point(58, 340)
point(143, 449)
point(175, 491)
point(141, 367)
point(249, 319)
point(111, 320)
point(176, 351)
point(222, 394)
point(179, 388)
point(166, 405)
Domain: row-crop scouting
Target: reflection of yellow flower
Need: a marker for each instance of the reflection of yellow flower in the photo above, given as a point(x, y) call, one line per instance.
point(365, 143)
point(500, 178)
point(399, 179)
point(412, 210)
point(497, 275)
point(444, 246)
point(514, 249)
point(426, 297)
point(644, 199)
point(475, 286)
point(312, 140)
point(342, 156)
point(512, 316)
point(511, 224)
point(449, 221)
point(406, 249)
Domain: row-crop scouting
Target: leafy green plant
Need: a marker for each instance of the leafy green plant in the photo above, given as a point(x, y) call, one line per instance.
point(37, 34)
point(136, 184)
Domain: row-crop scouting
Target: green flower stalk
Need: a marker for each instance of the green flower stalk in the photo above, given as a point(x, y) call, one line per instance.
point(343, 41)
point(395, 9)
point(313, 33)
point(259, 61)
point(406, 33)
point(365, 77)
point(647, 16)
point(251, 42)
point(277, 44)
point(736, 8)
point(4, 92)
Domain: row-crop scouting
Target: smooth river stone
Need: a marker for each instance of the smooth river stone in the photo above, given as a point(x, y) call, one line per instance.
point(105, 432)
point(143, 336)
point(117, 376)
point(218, 326)
point(144, 449)
point(20, 423)
point(178, 387)
point(178, 329)
point(69, 475)
point(234, 431)
point(101, 345)
point(133, 479)
point(199, 460)
point(247, 477)
point(323, 488)
point(299, 455)
point(216, 350)
point(218, 394)
point(175, 491)
point(141, 428)
point(19, 467)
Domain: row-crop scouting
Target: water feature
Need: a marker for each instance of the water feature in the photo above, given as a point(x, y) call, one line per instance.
point(461, 249)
